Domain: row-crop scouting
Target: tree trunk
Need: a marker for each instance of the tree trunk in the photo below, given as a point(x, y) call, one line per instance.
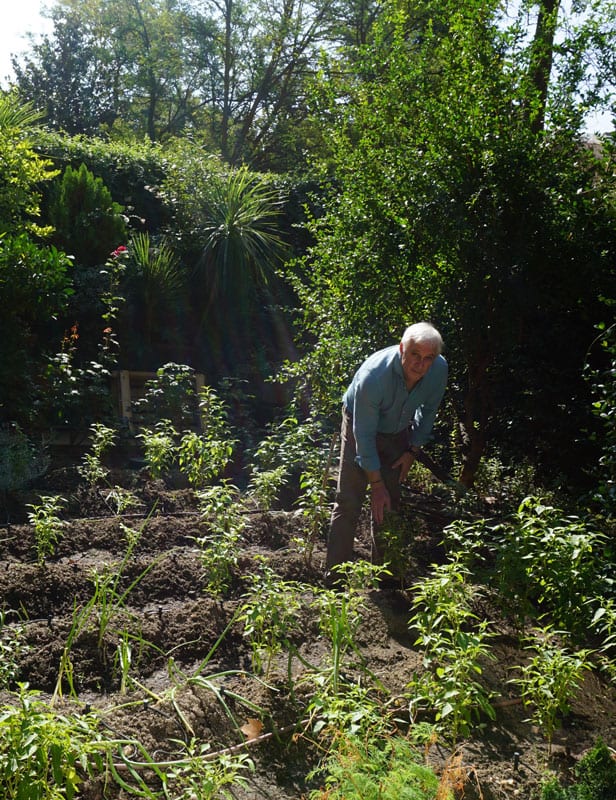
point(473, 422)
point(542, 56)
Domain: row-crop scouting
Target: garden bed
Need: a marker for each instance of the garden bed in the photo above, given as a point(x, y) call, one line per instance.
point(189, 673)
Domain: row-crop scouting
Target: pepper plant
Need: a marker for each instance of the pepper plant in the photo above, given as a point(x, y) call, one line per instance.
point(454, 643)
point(550, 679)
point(47, 524)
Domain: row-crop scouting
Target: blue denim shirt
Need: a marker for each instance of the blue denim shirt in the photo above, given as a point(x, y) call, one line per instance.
point(379, 402)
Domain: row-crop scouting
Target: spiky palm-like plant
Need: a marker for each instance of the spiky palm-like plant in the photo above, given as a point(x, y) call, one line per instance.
point(242, 241)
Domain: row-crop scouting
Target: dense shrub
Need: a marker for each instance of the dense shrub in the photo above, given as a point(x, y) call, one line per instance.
point(88, 223)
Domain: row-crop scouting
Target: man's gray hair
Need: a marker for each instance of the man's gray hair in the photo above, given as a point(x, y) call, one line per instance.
point(423, 333)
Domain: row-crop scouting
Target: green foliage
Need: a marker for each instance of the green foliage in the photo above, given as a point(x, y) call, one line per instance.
point(454, 644)
point(20, 460)
point(43, 754)
point(205, 456)
point(34, 288)
point(47, 524)
point(159, 447)
point(549, 681)
point(171, 395)
point(540, 561)
point(387, 769)
point(395, 539)
point(458, 217)
point(102, 439)
point(350, 710)
point(596, 774)
point(340, 615)
point(229, 225)
point(296, 450)
point(201, 457)
point(22, 170)
point(12, 648)
point(241, 240)
point(270, 614)
point(199, 776)
point(130, 169)
point(265, 485)
point(604, 408)
point(220, 546)
point(154, 284)
point(76, 389)
point(88, 223)
point(603, 625)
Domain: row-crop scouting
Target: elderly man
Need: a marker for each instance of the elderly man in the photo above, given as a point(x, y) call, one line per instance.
point(387, 416)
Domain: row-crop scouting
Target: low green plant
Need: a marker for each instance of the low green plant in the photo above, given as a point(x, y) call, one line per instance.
point(79, 621)
point(349, 710)
point(603, 624)
point(107, 601)
point(124, 660)
point(202, 775)
point(509, 483)
point(378, 769)
point(159, 447)
point(313, 501)
point(604, 402)
point(12, 648)
point(396, 535)
point(220, 546)
point(270, 616)
point(109, 594)
point(296, 450)
point(340, 614)
point(540, 561)
point(44, 755)
point(265, 486)
point(201, 458)
point(550, 679)
point(92, 469)
point(47, 524)
point(595, 778)
point(119, 500)
point(454, 644)
point(171, 395)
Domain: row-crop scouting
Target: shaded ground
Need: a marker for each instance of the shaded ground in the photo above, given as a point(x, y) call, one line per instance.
point(179, 632)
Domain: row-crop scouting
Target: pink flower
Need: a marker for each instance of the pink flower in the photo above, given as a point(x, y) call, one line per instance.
point(119, 250)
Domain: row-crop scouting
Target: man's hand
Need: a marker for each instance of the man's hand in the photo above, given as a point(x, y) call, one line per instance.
point(405, 462)
point(380, 501)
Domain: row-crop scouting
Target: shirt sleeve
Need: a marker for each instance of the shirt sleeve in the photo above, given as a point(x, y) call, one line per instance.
point(366, 409)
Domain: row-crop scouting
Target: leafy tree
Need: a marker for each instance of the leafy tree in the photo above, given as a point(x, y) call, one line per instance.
point(34, 279)
point(450, 204)
point(118, 64)
point(71, 78)
point(22, 171)
point(234, 73)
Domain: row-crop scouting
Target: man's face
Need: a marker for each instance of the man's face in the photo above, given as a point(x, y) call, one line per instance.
point(417, 358)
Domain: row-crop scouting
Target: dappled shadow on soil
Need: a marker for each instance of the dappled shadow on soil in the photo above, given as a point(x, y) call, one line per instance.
point(192, 675)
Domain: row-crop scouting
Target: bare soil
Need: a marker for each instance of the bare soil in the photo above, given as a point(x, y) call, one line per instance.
point(187, 632)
